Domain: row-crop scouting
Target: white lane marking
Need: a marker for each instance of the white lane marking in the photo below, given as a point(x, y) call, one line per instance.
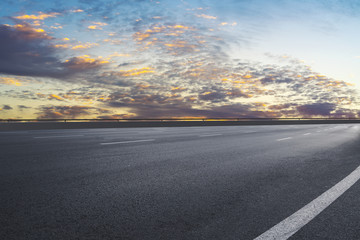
point(296, 221)
point(60, 136)
point(134, 141)
point(306, 134)
point(250, 132)
point(282, 139)
point(210, 135)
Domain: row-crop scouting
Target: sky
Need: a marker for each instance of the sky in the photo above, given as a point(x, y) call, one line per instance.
point(179, 59)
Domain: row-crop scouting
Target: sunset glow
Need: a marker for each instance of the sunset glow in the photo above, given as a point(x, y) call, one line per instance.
point(177, 59)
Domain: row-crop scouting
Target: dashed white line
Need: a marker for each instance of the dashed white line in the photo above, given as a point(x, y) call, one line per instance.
point(210, 135)
point(62, 136)
point(134, 141)
point(289, 226)
point(283, 139)
point(306, 134)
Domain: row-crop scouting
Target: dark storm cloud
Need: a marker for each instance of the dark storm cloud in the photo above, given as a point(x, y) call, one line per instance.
point(21, 107)
point(27, 52)
point(53, 112)
point(316, 109)
point(182, 109)
point(214, 97)
point(345, 113)
point(7, 107)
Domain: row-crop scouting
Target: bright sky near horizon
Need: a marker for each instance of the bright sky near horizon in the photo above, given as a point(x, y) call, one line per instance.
point(179, 58)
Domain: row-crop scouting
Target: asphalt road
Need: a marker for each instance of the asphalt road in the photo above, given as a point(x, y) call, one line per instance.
point(230, 182)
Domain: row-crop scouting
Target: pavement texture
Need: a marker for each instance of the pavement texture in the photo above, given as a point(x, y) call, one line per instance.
point(220, 182)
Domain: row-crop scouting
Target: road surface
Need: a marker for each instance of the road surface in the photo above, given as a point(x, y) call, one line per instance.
point(229, 182)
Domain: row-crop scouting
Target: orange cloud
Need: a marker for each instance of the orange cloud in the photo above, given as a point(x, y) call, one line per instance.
point(179, 44)
point(178, 26)
point(76, 47)
point(205, 16)
point(36, 23)
point(178, 89)
point(53, 96)
point(141, 36)
point(84, 46)
point(77, 10)
point(116, 54)
point(94, 27)
point(40, 16)
point(247, 76)
point(10, 81)
point(57, 27)
point(61, 46)
point(30, 32)
point(136, 71)
point(97, 25)
point(84, 62)
point(226, 23)
point(170, 30)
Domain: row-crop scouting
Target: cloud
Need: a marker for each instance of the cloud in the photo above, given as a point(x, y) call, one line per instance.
point(10, 81)
point(26, 52)
point(39, 16)
point(28, 32)
point(81, 46)
point(180, 110)
point(55, 97)
point(209, 83)
point(22, 107)
point(84, 62)
point(7, 107)
point(316, 109)
point(176, 65)
point(206, 16)
point(54, 112)
point(84, 46)
point(135, 71)
point(62, 46)
point(97, 25)
point(94, 27)
point(76, 10)
point(212, 96)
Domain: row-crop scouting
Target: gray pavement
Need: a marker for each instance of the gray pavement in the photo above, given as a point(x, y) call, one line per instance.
point(223, 182)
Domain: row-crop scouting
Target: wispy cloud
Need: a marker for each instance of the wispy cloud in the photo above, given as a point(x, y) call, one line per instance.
point(206, 16)
point(39, 16)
